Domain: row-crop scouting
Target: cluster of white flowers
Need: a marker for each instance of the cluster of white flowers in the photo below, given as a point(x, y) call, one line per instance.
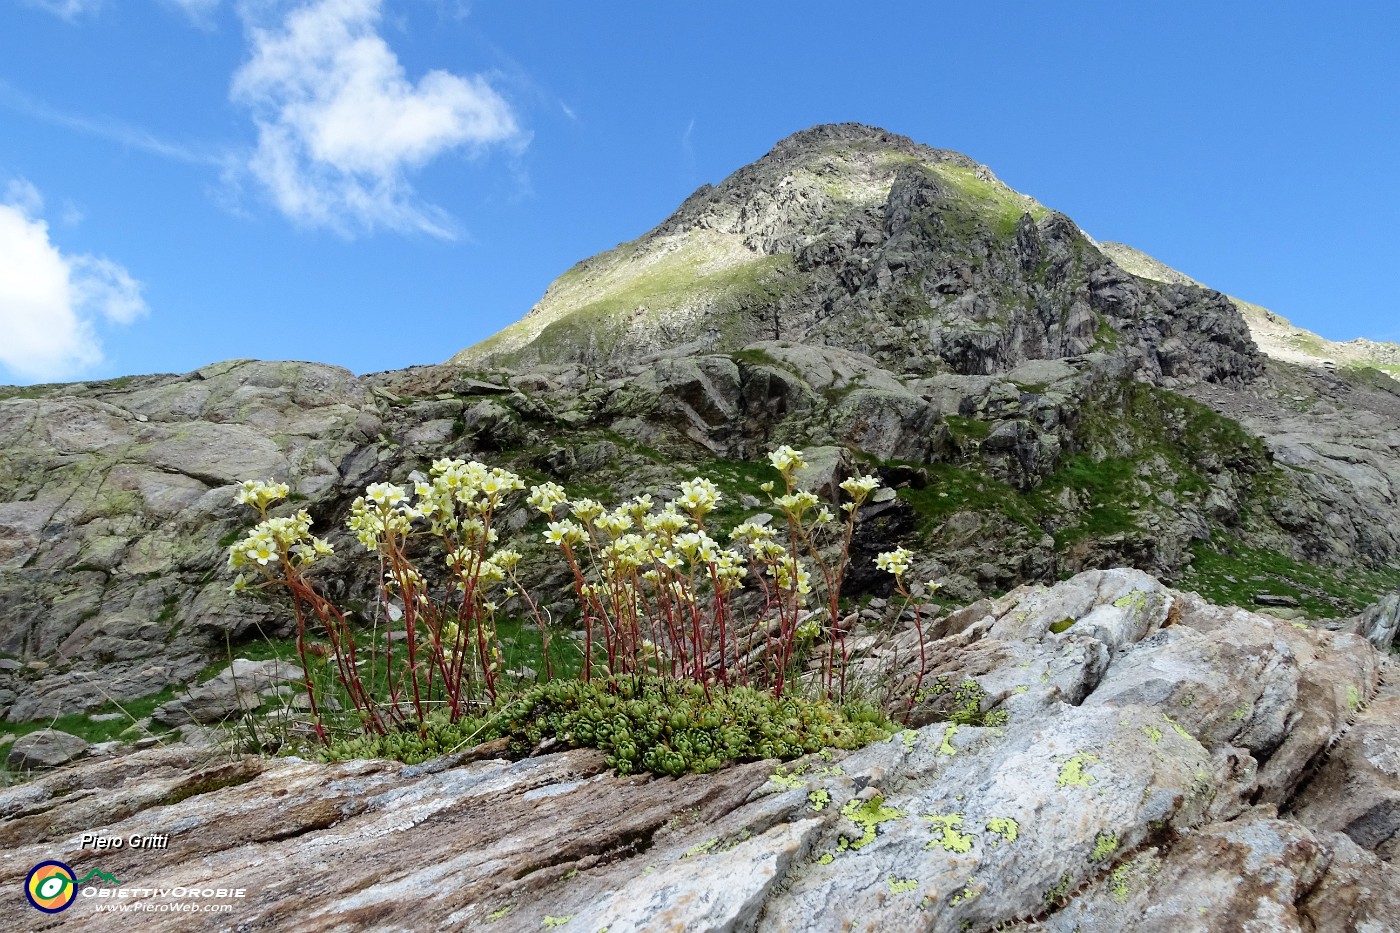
point(547, 497)
point(273, 540)
point(382, 511)
point(859, 488)
point(260, 494)
point(699, 497)
point(666, 547)
point(460, 496)
point(786, 461)
point(894, 562)
point(797, 503)
point(565, 532)
point(790, 574)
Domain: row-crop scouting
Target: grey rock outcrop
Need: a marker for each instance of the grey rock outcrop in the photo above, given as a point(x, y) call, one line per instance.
point(1380, 624)
point(239, 688)
point(47, 748)
point(1157, 771)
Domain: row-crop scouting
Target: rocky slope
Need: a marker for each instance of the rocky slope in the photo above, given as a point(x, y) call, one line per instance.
point(1274, 334)
point(1040, 404)
point(1166, 764)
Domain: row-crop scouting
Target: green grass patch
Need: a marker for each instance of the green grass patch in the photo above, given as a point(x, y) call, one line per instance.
point(1001, 206)
point(85, 727)
point(755, 356)
point(967, 429)
point(1107, 485)
point(656, 288)
point(1376, 375)
point(1231, 574)
point(954, 489)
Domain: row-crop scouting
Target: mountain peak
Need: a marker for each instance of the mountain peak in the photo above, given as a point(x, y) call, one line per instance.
point(854, 237)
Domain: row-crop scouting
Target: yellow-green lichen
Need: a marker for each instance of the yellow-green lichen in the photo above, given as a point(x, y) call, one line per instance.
point(1075, 771)
point(1118, 883)
point(910, 739)
point(702, 849)
point(1353, 698)
point(818, 799)
point(1153, 733)
point(902, 885)
point(1105, 844)
point(551, 923)
point(1003, 827)
point(1137, 599)
point(949, 838)
point(827, 858)
point(867, 816)
point(1056, 894)
point(966, 894)
point(1240, 713)
point(1062, 626)
point(744, 836)
point(495, 915)
point(946, 746)
point(1180, 730)
point(791, 780)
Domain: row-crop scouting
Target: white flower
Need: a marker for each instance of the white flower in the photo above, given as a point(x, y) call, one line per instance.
point(565, 532)
point(786, 461)
point(699, 496)
point(547, 497)
point(859, 487)
point(385, 494)
point(894, 562)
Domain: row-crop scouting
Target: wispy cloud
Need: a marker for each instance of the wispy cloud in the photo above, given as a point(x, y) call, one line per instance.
point(71, 10)
point(340, 125)
point(200, 12)
point(688, 150)
point(124, 134)
point(50, 302)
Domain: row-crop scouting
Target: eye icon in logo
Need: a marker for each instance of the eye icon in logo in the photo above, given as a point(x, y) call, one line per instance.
point(50, 887)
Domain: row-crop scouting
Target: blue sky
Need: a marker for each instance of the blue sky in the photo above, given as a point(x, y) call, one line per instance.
point(378, 183)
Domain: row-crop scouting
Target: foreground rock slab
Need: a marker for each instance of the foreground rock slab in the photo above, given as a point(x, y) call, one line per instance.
point(1161, 769)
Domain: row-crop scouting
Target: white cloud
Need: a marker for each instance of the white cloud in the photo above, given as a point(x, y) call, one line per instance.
point(49, 302)
point(21, 193)
point(340, 125)
point(68, 9)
